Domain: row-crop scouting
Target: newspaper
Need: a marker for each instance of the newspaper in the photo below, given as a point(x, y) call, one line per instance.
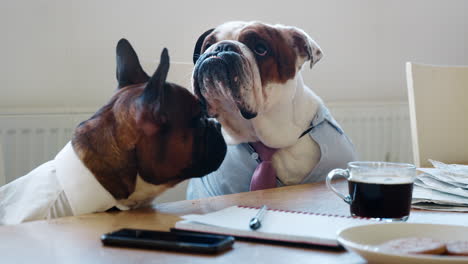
point(442, 188)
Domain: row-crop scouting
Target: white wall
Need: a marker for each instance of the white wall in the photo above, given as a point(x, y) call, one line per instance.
point(59, 53)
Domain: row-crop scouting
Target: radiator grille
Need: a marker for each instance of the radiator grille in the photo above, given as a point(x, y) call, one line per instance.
point(28, 140)
point(379, 131)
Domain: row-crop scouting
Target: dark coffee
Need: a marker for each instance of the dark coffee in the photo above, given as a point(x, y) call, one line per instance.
point(379, 200)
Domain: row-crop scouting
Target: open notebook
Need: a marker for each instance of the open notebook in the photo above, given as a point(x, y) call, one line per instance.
point(277, 225)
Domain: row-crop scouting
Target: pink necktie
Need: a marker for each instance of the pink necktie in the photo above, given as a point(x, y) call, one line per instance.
point(264, 176)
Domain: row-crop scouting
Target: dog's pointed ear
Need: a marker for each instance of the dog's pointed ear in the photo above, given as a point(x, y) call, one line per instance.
point(199, 45)
point(151, 113)
point(154, 90)
point(306, 47)
point(129, 70)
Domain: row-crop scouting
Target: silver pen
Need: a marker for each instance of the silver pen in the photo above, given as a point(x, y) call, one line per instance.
point(256, 221)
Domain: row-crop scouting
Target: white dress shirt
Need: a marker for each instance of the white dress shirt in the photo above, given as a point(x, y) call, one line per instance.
point(60, 187)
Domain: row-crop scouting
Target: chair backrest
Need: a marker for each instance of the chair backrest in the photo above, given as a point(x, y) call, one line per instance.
point(438, 101)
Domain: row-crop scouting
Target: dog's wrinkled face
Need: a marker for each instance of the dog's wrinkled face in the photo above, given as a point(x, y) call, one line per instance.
point(154, 128)
point(241, 70)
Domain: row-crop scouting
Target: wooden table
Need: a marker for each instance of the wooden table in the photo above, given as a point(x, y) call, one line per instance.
point(76, 239)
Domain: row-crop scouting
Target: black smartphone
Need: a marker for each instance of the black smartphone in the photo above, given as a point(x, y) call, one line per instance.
point(174, 240)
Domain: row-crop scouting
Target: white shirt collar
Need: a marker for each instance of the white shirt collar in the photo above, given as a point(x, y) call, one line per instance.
point(85, 194)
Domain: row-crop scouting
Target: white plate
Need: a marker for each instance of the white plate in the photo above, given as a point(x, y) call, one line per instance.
point(364, 240)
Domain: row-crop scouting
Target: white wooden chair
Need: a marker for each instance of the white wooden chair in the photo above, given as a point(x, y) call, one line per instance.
point(438, 101)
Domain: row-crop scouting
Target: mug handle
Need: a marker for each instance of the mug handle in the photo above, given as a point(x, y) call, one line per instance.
point(342, 173)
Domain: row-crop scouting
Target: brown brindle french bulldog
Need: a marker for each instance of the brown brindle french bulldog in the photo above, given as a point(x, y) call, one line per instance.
point(151, 128)
point(151, 135)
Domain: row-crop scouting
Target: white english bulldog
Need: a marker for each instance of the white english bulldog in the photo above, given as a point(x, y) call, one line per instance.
point(248, 75)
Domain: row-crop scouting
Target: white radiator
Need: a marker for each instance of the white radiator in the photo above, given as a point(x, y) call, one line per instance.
point(28, 140)
point(379, 131)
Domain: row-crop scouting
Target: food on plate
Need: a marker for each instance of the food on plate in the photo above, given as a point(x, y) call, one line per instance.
point(414, 245)
point(459, 248)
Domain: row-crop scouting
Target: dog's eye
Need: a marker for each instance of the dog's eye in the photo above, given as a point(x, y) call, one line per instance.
point(260, 49)
point(208, 45)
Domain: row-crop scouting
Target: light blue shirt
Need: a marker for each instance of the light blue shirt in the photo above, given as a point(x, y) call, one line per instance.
point(235, 173)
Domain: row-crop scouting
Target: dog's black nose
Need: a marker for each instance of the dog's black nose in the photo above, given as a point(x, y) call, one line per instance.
point(218, 126)
point(226, 47)
point(215, 123)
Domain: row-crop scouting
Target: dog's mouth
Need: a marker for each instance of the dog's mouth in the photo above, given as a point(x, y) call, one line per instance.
point(209, 152)
point(214, 57)
point(220, 77)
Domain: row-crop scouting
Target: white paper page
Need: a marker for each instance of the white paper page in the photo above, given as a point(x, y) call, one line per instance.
point(274, 222)
point(431, 183)
point(428, 195)
point(446, 177)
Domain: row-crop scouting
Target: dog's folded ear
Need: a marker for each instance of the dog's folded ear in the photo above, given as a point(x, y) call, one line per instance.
point(199, 45)
point(151, 114)
point(306, 47)
point(129, 70)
